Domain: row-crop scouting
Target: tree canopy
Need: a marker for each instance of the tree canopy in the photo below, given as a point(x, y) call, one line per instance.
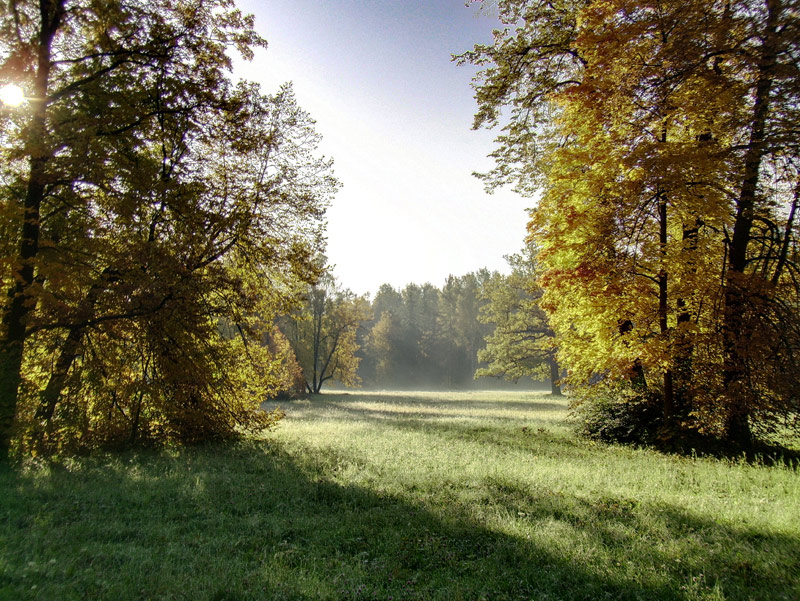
point(522, 342)
point(662, 137)
point(424, 336)
point(323, 333)
point(149, 208)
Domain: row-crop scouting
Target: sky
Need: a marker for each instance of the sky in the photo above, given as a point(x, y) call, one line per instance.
point(395, 114)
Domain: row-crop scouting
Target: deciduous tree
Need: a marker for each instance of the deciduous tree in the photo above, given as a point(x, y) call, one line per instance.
point(323, 334)
point(660, 135)
point(146, 200)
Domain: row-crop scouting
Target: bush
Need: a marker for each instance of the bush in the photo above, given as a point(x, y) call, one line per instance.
point(620, 416)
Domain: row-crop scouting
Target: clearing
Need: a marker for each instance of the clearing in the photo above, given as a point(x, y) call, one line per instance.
point(402, 495)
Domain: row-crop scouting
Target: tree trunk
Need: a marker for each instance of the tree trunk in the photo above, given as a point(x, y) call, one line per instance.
point(737, 427)
point(137, 411)
point(52, 393)
point(20, 303)
point(684, 344)
point(637, 377)
point(555, 387)
point(71, 347)
point(787, 237)
point(663, 306)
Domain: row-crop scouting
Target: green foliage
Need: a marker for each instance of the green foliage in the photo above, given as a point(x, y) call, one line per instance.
point(385, 344)
point(461, 331)
point(147, 201)
point(522, 342)
point(323, 333)
point(291, 383)
point(405, 496)
point(426, 336)
point(620, 416)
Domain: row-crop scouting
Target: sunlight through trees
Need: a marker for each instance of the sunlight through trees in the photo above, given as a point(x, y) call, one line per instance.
point(149, 205)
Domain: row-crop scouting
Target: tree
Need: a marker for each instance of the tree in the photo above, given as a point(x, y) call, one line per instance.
point(660, 136)
point(385, 344)
point(387, 300)
point(411, 320)
point(291, 383)
point(430, 336)
point(426, 336)
point(147, 199)
point(522, 342)
point(323, 334)
point(470, 332)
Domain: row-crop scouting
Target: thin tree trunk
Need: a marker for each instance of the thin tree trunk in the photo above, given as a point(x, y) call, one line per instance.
point(48, 399)
point(137, 412)
point(663, 307)
point(787, 238)
point(555, 387)
point(684, 346)
point(637, 379)
point(55, 385)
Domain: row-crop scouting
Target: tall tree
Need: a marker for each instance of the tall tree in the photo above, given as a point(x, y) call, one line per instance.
point(426, 336)
point(323, 334)
point(385, 349)
point(411, 320)
point(660, 135)
point(522, 341)
point(147, 199)
point(460, 332)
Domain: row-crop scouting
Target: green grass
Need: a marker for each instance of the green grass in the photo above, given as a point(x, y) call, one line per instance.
point(402, 496)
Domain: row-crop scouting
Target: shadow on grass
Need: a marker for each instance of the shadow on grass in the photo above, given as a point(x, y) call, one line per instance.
point(248, 521)
point(432, 409)
point(439, 400)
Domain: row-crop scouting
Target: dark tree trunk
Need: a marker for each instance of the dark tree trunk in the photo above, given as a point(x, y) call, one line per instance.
point(684, 346)
point(555, 387)
point(137, 412)
point(20, 303)
point(48, 399)
point(737, 427)
point(663, 306)
point(637, 377)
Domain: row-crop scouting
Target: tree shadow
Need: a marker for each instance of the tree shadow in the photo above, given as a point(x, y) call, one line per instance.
point(250, 521)
point(432, 409)
point(399, 407)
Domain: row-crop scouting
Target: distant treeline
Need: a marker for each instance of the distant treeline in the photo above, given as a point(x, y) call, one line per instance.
point(424, 335)
point(483, 329)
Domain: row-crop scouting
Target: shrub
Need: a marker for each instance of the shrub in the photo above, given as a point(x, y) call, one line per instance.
point(620, 415)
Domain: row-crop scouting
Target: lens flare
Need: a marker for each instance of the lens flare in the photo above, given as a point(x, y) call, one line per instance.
point(12, 95)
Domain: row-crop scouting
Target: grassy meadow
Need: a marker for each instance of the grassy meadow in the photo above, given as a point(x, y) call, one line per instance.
point(475, 495)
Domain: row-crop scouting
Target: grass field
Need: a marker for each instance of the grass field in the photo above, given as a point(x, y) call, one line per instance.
point(402, 496)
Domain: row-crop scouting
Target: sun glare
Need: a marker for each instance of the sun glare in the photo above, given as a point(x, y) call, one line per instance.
point(12, 95)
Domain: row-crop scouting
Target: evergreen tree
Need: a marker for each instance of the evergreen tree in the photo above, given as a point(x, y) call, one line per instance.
point(522, 341)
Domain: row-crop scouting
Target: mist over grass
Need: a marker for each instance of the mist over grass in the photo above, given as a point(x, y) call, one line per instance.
point(402, 495)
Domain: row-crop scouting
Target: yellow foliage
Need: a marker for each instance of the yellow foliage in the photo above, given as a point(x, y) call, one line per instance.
point(642, 125)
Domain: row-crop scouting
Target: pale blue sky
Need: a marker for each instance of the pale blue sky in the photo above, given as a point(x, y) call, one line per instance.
point(395, 114)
